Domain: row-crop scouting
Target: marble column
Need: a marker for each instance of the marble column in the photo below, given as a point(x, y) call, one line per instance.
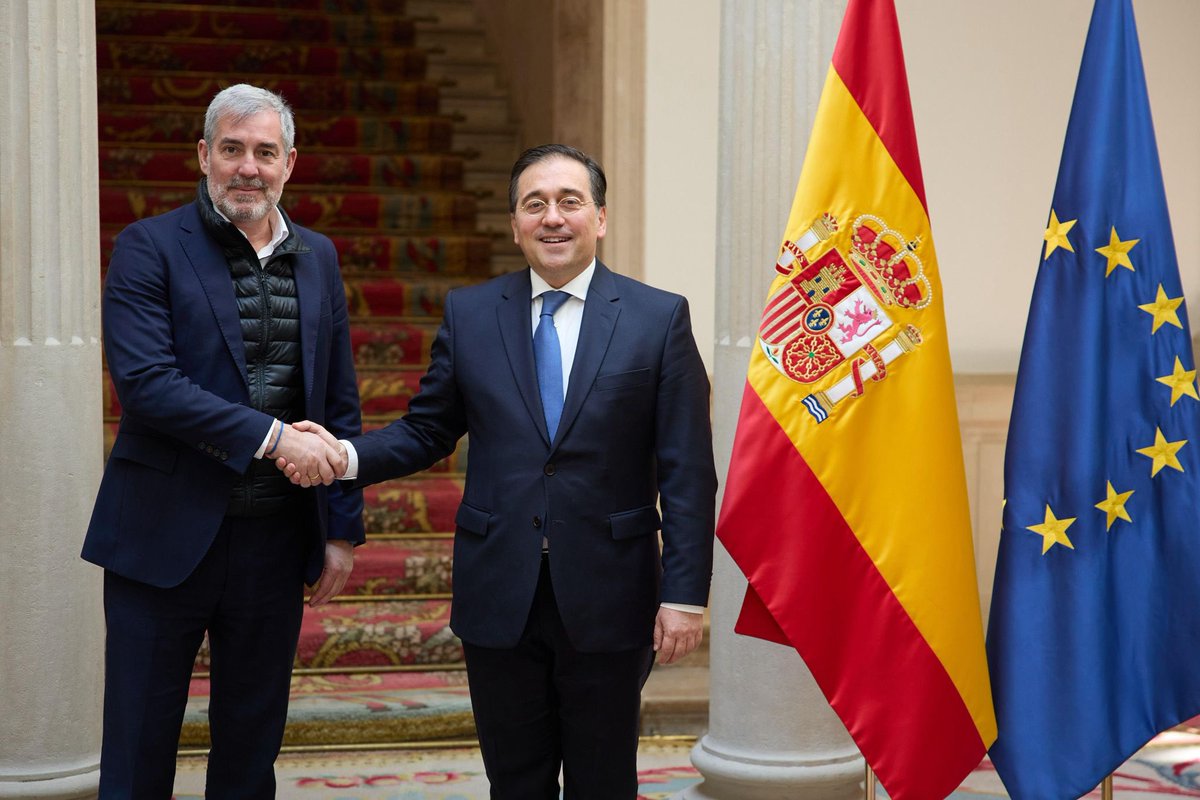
point(772, 735)
point(51, 629)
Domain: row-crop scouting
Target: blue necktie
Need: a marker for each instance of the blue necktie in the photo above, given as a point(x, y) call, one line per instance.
point(547, 356)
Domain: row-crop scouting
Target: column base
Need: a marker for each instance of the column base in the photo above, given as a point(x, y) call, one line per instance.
point(77, 786)
point(732, 773)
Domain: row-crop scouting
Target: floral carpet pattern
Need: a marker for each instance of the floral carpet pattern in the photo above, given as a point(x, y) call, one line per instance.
point(444, 774)
point(1168, 767)
point(350, 709)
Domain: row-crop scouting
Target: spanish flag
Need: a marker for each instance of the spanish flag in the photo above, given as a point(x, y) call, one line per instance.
point(845, 504)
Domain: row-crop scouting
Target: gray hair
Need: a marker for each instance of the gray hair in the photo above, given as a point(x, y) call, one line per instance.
point(242, 100)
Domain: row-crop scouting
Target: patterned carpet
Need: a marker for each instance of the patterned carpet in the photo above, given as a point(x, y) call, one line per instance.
point(1167, 767)
point(446, 774)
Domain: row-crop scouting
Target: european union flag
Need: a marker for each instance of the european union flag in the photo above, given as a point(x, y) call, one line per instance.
point(1094, 637)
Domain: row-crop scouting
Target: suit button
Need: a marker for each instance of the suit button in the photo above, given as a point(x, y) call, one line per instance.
point(549, 469)
point(537, 521)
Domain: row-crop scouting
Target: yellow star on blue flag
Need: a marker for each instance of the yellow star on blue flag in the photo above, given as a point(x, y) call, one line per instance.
point(1091, 636)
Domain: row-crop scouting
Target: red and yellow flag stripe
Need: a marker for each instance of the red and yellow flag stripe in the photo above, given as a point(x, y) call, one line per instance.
point(855, 534)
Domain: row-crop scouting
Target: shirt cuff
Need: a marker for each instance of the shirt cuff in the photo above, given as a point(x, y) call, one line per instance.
point(684, 607)
point(351, 460)
point(266, 443)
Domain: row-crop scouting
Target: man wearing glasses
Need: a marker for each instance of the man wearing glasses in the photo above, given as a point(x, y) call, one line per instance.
point(586, 403)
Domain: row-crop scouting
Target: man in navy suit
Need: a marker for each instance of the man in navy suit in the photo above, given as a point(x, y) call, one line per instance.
point(224, 321)
point(586, 403)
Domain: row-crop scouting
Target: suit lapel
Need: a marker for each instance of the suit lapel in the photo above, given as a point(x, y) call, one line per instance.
point(213, 273)
point(600, 314)
point(516, 332)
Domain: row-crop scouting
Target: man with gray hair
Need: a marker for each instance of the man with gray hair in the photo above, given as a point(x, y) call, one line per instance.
point(224, 322)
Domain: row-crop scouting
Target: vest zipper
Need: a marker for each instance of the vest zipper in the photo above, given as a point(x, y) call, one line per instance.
point(264, 333)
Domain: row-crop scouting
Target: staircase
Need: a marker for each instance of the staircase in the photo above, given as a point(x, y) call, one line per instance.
point(405, 143)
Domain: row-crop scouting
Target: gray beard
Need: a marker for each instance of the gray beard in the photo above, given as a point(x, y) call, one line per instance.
point(241, 212)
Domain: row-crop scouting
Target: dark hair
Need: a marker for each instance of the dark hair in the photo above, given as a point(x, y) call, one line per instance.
point(543, 152)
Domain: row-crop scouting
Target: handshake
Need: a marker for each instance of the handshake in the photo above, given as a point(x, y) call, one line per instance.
point(308, 454)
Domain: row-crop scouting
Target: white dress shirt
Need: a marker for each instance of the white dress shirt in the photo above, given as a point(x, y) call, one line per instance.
point(568, 316)
point(566, 322)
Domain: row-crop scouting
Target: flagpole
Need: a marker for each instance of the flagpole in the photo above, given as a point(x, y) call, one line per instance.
point(869, 785)
point(1106, 790)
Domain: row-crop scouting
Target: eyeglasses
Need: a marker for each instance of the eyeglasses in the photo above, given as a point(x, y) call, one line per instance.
point(568, 205)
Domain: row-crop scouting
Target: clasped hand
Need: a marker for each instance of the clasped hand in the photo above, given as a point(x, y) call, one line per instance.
point(310, 455)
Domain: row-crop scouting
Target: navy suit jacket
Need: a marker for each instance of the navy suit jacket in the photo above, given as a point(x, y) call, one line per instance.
point(634, 433)
point(173, 342)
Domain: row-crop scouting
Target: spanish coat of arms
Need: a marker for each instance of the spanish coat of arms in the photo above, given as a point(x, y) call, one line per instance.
point(834, 306)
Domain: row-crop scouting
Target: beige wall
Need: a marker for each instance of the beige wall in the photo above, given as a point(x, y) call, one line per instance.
point(682, 79)
point(992, 85)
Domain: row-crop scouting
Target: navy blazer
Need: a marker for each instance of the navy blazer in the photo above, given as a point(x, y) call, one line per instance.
point(173, 342)
point(634, 435)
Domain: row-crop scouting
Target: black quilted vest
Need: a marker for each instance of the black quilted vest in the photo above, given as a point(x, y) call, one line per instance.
point(270, 315)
